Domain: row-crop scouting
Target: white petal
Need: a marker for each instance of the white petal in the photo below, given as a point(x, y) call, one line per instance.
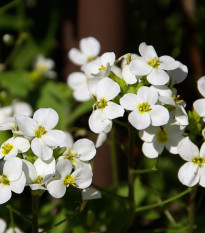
point(54, 138)
point(147, 51)
point(148, 134)
point(45, 168)
point(129, 101)
point(40, 149)
point(100, 139)
point(13, 168)
point(2, 225)
point(22, 108)
point(47, 117)
point(201, 85)
point(178, 75)
point(64, 167)
point(168, 63)
point(188, 174)
point(128, 76)
point(202, 150)
point(158, 77)
point(77, 57)
point(68, 142)
point(139, 120)
point(83, 177)
point(152, 150)
point(146, 94)
point(187, 149)
point(140, 67)
point(18, 185)
point(27, 125)
point(113, 110)
point(56, 188)
point(76, 80)
point(108, 58)
point(199, 107)
point(85, 148)
point(159, 115)
point(29, 171)
point(97, 121)
point(181, 115)
point(5, 193)
point(107, 89)
point(22, 144)
point(90, 46)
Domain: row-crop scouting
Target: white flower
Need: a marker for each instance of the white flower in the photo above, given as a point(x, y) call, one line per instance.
point(89, 50)
point(81, 151)
point(152, 65)
point(39, 173)
point(106, 110)
point(144, 111)
point(78, 81)
point(45, 66)
point(13, 146)
point(100, 67)
point(12, 179)
point(166, 96)
point(80, 178)
point(193, 171)
point(156, 138)
point(40, 130)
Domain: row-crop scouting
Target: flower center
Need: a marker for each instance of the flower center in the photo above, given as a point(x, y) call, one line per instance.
point(102, 68)
point(198, 161)
point(162, 136)
point(7, 148)
point(89, 59)
point(154, 62)
point(40, 131)
point(69, 180)
point(4, 180)
point(41, 68)
point(71, 156)
point(102, 103)
point(38, 180)
point(144, 107)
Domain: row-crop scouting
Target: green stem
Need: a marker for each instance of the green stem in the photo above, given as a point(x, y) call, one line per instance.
point(148, 207)
point(170, 217)
point(142, 171)
point(11, 218)
point(191, 209)
point(35, 213)
point(8, 6)
point(113, 159)
point(110, 193)
point(18, 213)
point(131, 178)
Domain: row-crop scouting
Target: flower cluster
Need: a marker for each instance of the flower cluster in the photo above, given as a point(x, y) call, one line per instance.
point(143, 86)
point(44, 158)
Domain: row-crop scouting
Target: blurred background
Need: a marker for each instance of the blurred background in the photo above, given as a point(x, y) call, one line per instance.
point(52, 28)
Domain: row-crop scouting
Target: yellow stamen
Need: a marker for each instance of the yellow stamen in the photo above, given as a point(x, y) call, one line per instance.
point(4, 180)
point(198, 161)
point(144, 107)
point(40, 131)
point(162, 136)
point(154, 62)
point(69, 180)
point(7, 148)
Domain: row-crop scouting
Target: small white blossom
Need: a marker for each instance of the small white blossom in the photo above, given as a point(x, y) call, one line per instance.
point(12, 179)
point(89, 50)
point(40, 130)
point(81, 178)
point(193, 171)
point(152, 65)
point(145, 112)
point(105, 110)
point(13, 146)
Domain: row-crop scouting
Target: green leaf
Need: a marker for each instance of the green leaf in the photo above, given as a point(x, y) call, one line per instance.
point(15, 82)
point(80, 110)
